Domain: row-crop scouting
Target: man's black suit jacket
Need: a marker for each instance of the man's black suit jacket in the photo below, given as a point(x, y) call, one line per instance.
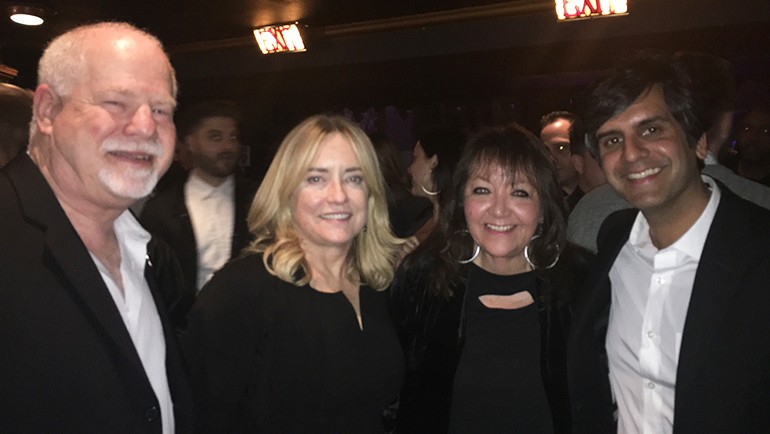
point(723, 376)
point(67, 362)
point(165, 215)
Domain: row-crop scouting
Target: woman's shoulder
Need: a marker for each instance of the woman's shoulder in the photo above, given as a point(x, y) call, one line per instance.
point(244, 277)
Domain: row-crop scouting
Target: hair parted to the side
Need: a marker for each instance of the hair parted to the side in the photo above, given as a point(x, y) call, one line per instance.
point(632, 78)
point(374, 254)
point(518, 153)
point(64, 60)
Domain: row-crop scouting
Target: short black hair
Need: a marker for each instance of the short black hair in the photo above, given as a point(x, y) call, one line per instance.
point(633, 77)
point(190, 118)
point(552, 117)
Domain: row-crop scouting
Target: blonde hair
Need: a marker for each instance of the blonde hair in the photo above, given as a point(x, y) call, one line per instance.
point(374, 254)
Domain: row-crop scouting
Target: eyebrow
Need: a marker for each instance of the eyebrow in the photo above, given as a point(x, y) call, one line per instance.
point(325, 170)
point(642, 123)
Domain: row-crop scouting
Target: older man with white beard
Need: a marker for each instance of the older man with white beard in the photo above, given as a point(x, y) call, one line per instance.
point(85, 343)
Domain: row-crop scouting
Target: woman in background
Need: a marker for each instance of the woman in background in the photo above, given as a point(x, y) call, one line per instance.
point(485, 321)
point(294, 335)
point(434, 158)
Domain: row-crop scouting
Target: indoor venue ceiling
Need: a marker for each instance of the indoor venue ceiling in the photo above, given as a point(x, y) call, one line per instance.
point(364, 53)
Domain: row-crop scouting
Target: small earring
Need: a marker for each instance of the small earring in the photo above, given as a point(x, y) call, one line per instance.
point(425, 190)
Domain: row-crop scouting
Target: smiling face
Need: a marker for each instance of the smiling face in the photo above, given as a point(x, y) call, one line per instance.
point(330, 204)
point(113, 134)
point(502, 216)
point(647, 160)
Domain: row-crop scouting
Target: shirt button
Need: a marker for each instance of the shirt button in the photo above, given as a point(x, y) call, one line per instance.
point(661, 280)
point(651, 334)
point(650, 385)
point(151, 414)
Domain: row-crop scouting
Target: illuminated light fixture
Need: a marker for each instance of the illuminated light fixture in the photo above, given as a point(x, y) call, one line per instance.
point(570, 10)
point(279, 39)
point(28, 15)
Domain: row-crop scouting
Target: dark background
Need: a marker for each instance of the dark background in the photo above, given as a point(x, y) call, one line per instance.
point(484, 61)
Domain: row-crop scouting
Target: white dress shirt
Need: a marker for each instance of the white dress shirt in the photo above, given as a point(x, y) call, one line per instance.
point(651, 292)
point(212, 213)
point(138, 310)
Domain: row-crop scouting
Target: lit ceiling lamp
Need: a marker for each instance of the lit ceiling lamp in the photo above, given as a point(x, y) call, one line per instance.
point(279, 39)
point(28, 14)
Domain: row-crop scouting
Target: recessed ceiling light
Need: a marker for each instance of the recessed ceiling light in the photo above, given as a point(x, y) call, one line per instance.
point(28, 15)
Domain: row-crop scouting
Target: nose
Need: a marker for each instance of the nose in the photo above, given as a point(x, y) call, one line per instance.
point(500, 204)
point(337, 192)
point(633, 149)
point(141, 122)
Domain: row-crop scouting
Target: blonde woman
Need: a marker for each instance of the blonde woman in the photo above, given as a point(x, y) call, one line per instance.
point(294, 336)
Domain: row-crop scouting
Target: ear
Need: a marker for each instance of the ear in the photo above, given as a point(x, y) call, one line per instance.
point(47, 104)
point(577, 163)
point(702, 147)
point(433, 161)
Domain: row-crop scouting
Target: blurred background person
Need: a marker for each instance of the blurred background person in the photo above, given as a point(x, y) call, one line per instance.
point(15, 115)
point(203, 218)
point(589, 173)
point(752, 144)
point(294, 336)
point(554, 133)
point(483, 316)
point(407, 212)
point(434, 158)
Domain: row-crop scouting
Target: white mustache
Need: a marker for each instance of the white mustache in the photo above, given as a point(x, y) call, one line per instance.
point(150, 147)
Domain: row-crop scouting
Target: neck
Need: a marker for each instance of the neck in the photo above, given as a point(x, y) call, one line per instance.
point(212, 180)
point(327, 269)
point(668, 225)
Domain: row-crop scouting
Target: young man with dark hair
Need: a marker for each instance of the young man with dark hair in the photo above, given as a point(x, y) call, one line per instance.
point(204, 218)
point(670, 334)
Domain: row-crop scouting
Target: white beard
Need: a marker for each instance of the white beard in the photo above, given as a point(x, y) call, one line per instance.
point(131, 183)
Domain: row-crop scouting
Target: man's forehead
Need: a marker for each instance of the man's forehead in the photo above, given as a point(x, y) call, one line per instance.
point(651, 103)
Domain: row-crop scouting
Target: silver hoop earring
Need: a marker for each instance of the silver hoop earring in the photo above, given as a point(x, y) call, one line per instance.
point(476, 250)
point(425, 190)
point(529, 261)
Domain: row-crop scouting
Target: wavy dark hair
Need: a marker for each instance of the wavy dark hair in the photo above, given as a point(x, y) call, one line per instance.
point(630, 79)
point(519, 153)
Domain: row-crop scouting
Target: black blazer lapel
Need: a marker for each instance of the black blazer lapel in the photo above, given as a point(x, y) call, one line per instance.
point(67, 257)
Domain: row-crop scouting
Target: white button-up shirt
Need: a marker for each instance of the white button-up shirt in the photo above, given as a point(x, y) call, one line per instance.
point(651, 292)
point(137, 308)
point(212, 213)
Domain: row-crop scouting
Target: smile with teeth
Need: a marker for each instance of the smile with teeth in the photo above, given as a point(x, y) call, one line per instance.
point(644, 173)
point(499, 228)
point(132, 156)
point(336, 216)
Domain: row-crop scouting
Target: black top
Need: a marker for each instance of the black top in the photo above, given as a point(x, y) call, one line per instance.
point(498, 386)
point(267, 356)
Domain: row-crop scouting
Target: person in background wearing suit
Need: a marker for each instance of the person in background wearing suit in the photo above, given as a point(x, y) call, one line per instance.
point(204, 218)
point(85, 343)
point(670, 332)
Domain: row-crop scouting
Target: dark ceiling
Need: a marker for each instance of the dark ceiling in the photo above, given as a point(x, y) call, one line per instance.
point(364, 53)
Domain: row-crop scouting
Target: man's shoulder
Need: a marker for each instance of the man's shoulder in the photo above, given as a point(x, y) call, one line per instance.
point(741, 218)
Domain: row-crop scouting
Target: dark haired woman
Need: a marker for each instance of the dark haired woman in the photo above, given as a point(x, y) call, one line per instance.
point(483, 309)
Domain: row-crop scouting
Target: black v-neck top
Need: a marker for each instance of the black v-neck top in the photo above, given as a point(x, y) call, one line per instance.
point(498, 387)
point(267, 356)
